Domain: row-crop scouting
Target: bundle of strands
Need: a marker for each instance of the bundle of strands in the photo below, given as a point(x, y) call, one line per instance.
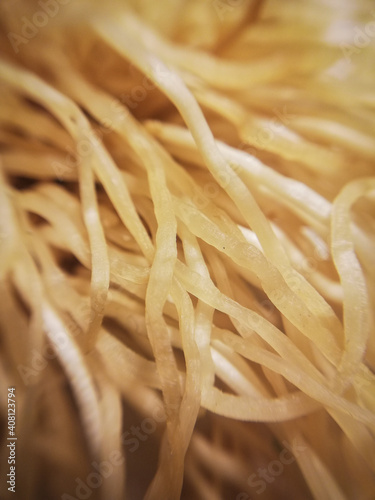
point(188, 249)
